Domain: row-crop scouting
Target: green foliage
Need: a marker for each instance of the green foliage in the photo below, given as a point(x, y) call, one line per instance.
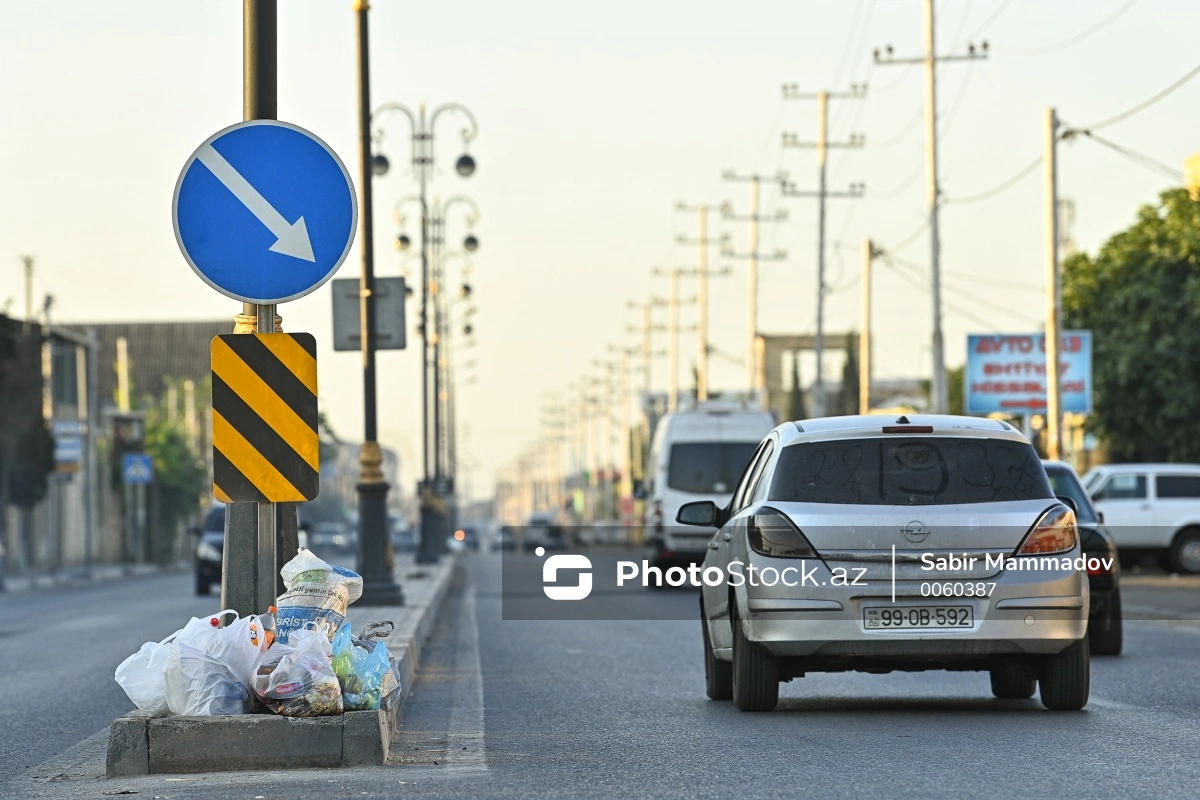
point(180, 476)
point(1140, 297)
point(26, 447)
point(954, 387)
point(31, 466)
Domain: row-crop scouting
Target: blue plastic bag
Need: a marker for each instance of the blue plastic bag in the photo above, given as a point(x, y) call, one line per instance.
point(364, 671)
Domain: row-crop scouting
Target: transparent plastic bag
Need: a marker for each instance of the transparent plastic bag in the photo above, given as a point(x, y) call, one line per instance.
point(362, 668)
point(296, 678)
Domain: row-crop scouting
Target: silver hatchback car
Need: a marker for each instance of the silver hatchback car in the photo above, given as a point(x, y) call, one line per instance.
point(877, 543)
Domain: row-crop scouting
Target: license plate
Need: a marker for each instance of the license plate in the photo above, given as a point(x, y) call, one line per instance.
point(907, 617)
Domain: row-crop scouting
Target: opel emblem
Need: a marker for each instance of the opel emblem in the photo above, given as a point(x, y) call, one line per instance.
point(915, 531)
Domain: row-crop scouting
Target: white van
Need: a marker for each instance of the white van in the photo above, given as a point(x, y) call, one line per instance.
point(696, 454)
point(1151, 508)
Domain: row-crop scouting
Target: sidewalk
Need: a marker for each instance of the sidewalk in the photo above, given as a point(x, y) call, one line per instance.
point(83, 576)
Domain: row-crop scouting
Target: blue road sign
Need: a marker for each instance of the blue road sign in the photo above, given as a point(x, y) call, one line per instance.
point(264, 212)
point(137, 468)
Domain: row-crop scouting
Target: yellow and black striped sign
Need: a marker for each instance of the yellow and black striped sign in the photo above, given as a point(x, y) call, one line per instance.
point(264, 408)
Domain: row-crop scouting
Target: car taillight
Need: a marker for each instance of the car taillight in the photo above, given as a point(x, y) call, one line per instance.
point(773, 534)
point(1055, 532)
point(1097, 566)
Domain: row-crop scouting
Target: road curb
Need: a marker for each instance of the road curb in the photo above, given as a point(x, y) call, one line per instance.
point(140, 745)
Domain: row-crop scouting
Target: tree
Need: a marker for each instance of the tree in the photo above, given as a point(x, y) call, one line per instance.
point(1140, 297)
point(795, 408)
point(26, 447)
point(954, 388)
point(180, 479)
point(850, 383)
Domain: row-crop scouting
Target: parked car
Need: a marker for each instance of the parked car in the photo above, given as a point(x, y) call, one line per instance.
point(210, 545)
point(1106, 628)
point(1151, 509)
point(695, 454)
point(875, 510)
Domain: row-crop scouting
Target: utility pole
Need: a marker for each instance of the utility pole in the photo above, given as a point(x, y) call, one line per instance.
point(673, 302)
point(864, 337)
point(754, 257)
point(1053, 287)
point(702, 273)
point(28, 262)
point(941, 399)
point(822, 145)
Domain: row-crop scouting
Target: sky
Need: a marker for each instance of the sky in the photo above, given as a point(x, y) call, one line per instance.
point(595, 119)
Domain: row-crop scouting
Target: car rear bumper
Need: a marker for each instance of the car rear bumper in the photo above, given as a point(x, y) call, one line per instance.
point(1034, 613)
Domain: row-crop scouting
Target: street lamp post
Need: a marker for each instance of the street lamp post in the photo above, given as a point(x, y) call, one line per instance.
point(434, 489)
point(375, 557)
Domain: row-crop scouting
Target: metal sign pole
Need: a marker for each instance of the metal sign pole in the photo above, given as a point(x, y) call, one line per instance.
point(248, 559)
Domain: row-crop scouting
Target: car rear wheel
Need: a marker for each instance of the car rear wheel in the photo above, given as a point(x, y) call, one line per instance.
point(1009, 685)
point(1066, 678)
point(1185, 551)
point(1106, 634)
point(718, 674)
point(755, 673)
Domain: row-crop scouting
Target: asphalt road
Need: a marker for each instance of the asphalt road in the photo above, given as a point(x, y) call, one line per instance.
point(58, 651)
point(616, 708)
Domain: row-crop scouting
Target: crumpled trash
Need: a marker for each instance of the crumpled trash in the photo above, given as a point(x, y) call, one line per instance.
point(208, 668)
point(296, 679)
point(364, 667)
point(317, 592)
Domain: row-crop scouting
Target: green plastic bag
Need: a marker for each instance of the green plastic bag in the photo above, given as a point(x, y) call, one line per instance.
point(363, 669)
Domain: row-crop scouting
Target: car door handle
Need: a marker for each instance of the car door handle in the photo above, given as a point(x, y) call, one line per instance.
point(1144, 507)
point(726, 536)
point(712, 545)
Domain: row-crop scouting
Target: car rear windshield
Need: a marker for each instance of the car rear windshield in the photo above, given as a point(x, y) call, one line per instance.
point(215, 521)
point(708, 467)
point(1064, 485)
point(909, 471)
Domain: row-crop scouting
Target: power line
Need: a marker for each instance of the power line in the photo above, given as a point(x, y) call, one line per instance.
point(987, 23)
point(995, 190)
point(974, 298)
point(912, 237)
point(1149, 162)
point(1145, 104)
point(1076, 39)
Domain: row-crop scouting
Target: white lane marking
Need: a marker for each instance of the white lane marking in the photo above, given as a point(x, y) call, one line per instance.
point(291, 239)
point(465, 741)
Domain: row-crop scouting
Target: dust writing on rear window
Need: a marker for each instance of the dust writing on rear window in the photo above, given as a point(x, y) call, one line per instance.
point(909, 472)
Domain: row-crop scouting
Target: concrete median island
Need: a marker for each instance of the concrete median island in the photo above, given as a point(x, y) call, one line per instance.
point(141, 745)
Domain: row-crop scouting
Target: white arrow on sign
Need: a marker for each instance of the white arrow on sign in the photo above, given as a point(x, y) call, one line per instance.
point(291, 239)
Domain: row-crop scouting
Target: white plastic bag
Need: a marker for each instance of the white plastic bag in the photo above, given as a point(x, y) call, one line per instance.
point(297, 679)
point(208, 669)
point(141, 676)
point(317, 593)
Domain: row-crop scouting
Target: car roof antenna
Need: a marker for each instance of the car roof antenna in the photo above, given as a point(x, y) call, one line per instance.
point(902, 420)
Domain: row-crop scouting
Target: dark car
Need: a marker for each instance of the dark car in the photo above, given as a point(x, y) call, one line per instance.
point(1105, 625)
point(209, 548)
point(211, 545)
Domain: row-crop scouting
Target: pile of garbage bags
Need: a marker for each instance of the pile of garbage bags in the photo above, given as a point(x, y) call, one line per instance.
point(301, 659)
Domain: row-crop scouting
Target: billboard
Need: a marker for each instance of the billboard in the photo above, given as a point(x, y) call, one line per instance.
point(1006, 373)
